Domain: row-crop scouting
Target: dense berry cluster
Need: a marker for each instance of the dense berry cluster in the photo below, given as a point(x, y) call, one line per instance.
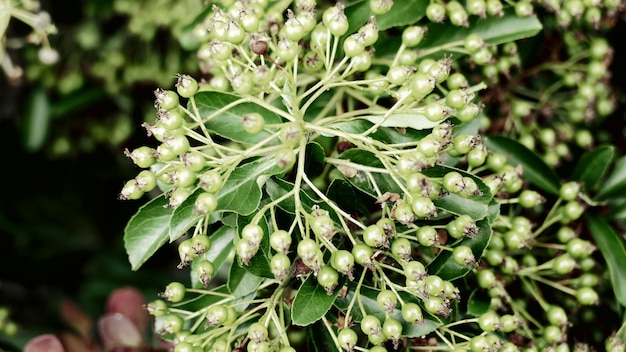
point(301, 110)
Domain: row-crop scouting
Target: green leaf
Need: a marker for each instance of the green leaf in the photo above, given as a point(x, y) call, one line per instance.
point(357, 13)
point(183, 217)
point(368, 298)
point(618, 208)
point(477, 206)
point(241, 193)
point(36, 120)
point(228, 123)
point(314, 159)
point(402, 13)
point(218, 253)
point(478, 303)
point(311, 302)
point(592, 165)
point(221, 246)
point(414, 121)
point(186, 38)
point(536, 171)
point(616, 181)
point(493, 29)
point(319, 339)
point(276, 188)
point(361, 181)
point(342, 193)
point(383, 134)
point(611, 246)
point(259, 264)
point(241, 282)
point(147, 231)
point(447, 269)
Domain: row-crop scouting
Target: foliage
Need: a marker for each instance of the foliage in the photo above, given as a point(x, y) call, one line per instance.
point(384, 175)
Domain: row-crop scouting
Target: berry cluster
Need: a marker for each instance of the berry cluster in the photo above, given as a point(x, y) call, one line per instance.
point(302, 109)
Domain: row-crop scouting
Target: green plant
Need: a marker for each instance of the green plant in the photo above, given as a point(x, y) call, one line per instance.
point(371, 174)
point(349, 143)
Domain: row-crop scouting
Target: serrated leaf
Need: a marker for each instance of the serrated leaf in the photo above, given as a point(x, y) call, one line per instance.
point(361, 181)
point(228, 123)
point(445, 267)
point(414, 121)
point(476, 206)
point(616, 181)
point(536, 171)
point(368, 298)
point(612, 248)
point(311, 302)
point(147, 231)
point(241, 193)
point(592, 165)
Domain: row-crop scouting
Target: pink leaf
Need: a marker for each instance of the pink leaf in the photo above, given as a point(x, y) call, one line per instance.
point(116, 330)
point(44, 343)
point(129, 302)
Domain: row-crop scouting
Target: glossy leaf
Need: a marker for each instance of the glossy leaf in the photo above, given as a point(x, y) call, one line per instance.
point(228, 123)
point(536, 171)
point(319, 339)
point(314, 157)
point(361, 180)
point(477, 206)
point(402, 13)
point(445, 267)
point(343, 194)
point(611, 245)
point(277, 188)
point(311, 302)
point(241, 282)
point(387, 135)
point(368, 298)
point(618, 208)
point(414, 121)
point(478, 303)
point(147, 231)
point(184, 217)
point(493, 29)
point(241, 193)
point(592, 166)
point(616, 181)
